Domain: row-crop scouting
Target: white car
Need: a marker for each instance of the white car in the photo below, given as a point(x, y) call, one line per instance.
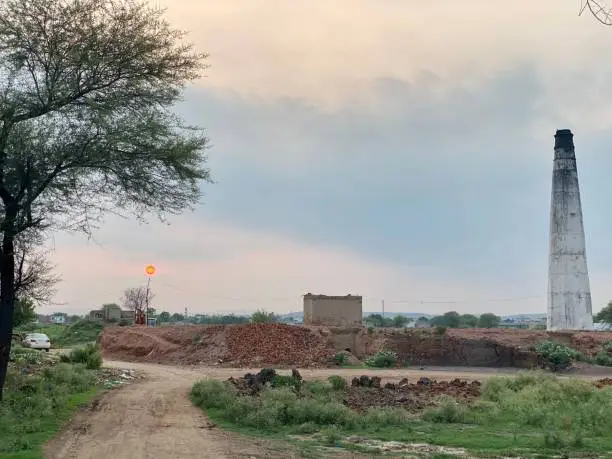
point(37, 341)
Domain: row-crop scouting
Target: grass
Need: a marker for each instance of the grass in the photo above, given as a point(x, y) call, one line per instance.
point(38, 399)
point(63, 336)
point(530, 414)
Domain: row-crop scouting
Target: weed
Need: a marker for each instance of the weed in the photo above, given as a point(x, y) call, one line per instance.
point(440, 330)
point(382, 359)
point(337, 382)
point(556, 356)
point(603, 358)
point(341, 358)
point(89, 355)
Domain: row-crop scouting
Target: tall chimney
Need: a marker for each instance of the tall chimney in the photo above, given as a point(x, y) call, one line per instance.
point(569, 292)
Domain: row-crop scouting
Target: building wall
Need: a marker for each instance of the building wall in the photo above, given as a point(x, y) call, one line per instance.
point(338, 311)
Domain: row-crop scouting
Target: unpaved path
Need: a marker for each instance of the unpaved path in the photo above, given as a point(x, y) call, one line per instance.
point(154, 418)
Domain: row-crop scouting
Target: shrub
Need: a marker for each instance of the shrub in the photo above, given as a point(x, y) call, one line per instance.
point(337, 382)
point(370, 330)
point(340, 358)
point(89, 355)
point(263, 317)
point(82, 331)
point(448, 411)
point(603, 358)
point(382, 359)
point(556, 356)
point(440, 330)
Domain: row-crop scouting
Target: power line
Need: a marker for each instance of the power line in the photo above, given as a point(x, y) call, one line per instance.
point(372, 299)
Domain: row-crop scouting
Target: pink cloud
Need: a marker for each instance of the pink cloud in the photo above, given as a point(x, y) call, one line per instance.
point(250, 270)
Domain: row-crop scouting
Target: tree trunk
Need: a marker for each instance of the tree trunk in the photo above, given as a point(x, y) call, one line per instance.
point(7, 303)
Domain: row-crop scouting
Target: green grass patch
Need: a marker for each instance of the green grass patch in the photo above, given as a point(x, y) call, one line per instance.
point(37, 403)
point(529, 414)
point(81, 332)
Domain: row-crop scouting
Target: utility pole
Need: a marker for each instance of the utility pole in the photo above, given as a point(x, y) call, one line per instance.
point(383, 310)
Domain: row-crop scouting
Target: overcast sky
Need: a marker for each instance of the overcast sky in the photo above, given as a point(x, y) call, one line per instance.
point(396, 149)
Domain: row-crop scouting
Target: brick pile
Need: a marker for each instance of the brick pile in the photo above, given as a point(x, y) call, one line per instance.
point(276, 344)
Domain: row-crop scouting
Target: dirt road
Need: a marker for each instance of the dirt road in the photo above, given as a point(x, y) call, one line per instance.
point(155, 418)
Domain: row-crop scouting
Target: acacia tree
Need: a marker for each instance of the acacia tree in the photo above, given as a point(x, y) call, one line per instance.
point(135, 298)
point(87, 89)
point(35, 277)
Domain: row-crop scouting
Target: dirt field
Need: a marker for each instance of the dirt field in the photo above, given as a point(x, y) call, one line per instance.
point(287, 345)
point(154, 418)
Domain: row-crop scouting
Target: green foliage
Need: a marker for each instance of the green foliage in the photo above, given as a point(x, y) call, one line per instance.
point(36, 406)
point(377, 320)
point(275, 409)
point(382, 359)
point(605, 315)
point(529, 413)
point(89, 355)
point(286, 381)
point(556, 356)
point(24, 355)
point(603, 358)
point(80, 332)
point(440, 330)
point(450, 319)
point(489, 320)
point(24, 312)
point(337, 382)
point(468, 321)
point(448, 410)
point(340, 358)
point(263, 317)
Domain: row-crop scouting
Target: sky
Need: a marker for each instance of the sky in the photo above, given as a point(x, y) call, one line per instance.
point(395, 149)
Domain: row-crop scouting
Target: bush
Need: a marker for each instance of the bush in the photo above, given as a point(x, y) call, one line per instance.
point(89, 355)
point(263, 317)
point(382, 359)
point(340, 358)
point(448, 411)
point(556, 356)
point(337, 382)
point(603, 358)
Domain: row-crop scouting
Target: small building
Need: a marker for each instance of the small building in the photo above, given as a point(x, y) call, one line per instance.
point(112, 313)
point(58, 318)
point(335, 311)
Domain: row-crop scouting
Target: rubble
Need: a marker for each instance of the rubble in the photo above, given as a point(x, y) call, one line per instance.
point(411, 396)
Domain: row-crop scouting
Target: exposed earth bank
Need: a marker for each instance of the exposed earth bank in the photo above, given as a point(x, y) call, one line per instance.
point(280, 345)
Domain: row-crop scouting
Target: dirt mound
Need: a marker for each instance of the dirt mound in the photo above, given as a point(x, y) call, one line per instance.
point(365, 393)
point(479, 347)
point(605, 382)
point(230, 345)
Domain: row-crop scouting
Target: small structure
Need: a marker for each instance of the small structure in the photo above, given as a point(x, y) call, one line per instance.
point(335, 311)
point(58, 318)
point(112, 313)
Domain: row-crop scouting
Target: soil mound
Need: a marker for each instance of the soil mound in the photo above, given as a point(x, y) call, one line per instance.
point(228, 345)
point(482, 347)
point(365, 393)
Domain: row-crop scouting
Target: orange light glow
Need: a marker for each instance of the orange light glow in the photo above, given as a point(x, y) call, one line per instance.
point(150, 270)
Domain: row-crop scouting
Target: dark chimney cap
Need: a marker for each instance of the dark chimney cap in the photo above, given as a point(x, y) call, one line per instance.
point(564, 139)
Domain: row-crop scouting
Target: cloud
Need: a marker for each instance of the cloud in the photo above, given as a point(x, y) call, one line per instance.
point(324, 50)
point(211, 267)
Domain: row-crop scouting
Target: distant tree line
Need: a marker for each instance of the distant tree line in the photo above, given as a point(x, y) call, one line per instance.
point(449, 319)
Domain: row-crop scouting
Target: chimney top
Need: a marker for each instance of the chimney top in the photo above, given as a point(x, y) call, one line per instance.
point(564, 139)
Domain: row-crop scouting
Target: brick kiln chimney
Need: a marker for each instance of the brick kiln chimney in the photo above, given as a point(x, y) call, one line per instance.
point(569, 292)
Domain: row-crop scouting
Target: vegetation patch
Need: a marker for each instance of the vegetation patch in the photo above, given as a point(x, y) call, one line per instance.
point(382, 359)
point(40, 396)
point(528, 415)
point(61, 336)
